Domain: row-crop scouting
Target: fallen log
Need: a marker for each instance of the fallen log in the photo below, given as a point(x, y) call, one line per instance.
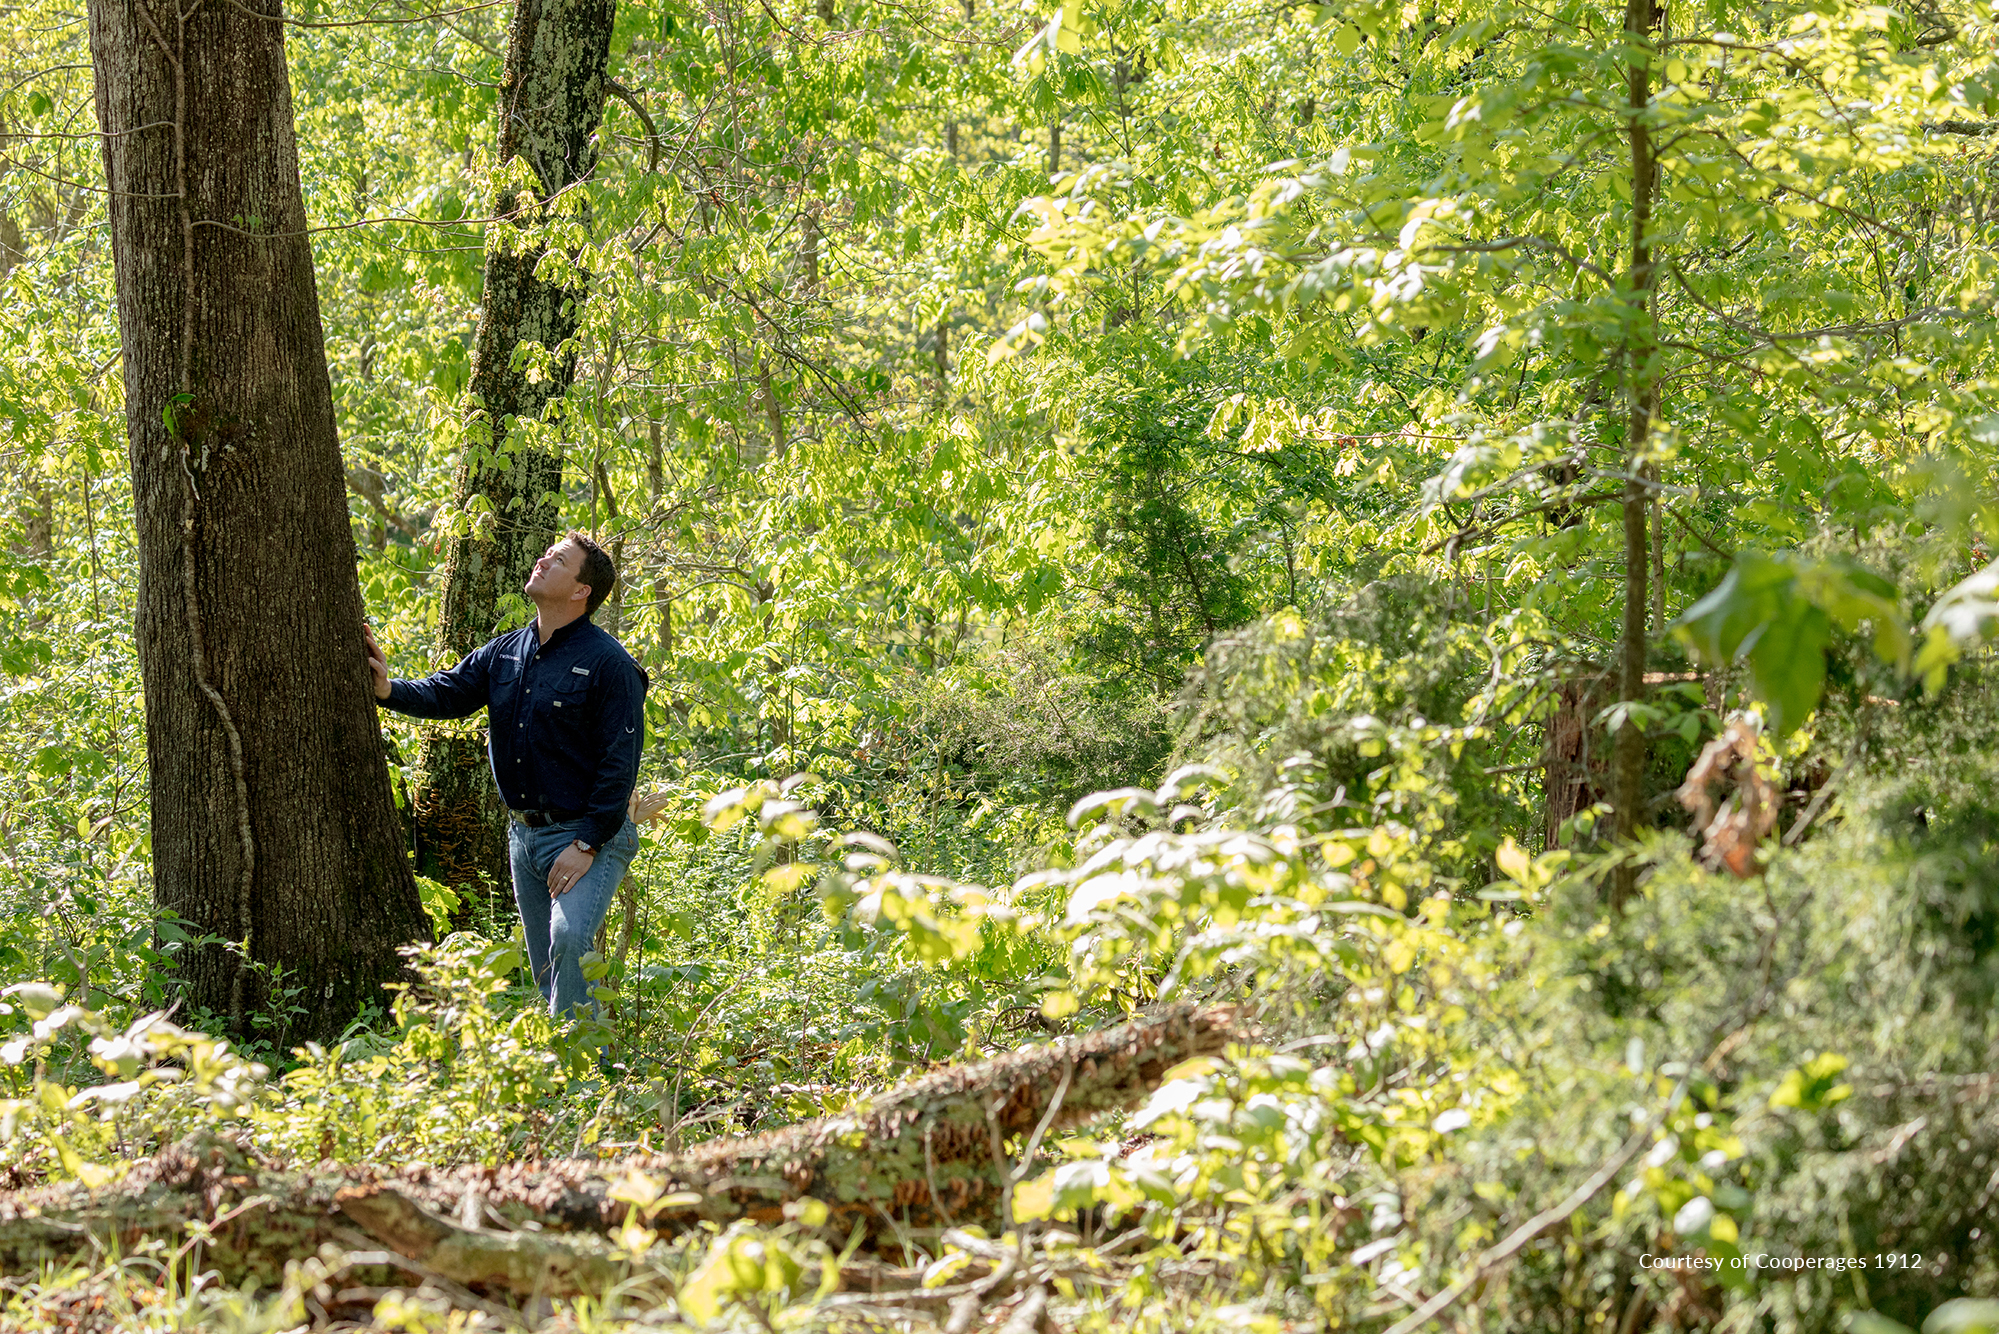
point(927, 1154)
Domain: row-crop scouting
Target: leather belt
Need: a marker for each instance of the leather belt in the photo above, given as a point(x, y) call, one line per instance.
point(542, 819)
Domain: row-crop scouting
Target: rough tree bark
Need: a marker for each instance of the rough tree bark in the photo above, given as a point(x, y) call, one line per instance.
point(928, 1154)
point(272, 821)
point(1576, 768)
point(551, 103)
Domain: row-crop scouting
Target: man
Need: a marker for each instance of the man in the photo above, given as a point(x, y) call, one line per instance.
point(565, 725)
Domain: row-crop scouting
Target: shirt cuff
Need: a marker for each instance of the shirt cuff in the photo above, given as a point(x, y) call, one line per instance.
point(602, 830)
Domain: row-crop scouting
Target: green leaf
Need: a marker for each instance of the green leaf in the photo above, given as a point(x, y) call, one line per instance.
point(1965, 616)
point(1115, 802)
point(167, 415)
point(1776, 613)
point(1969, 611)
point(1745, 600)
point(439, 902)
point(1872, 1322)
point(24, 657)
point(1757, 614)
point(1964, 1315)
point(39, 999)
point(1787, 664)
point(1069, 33)
point(1813, 1085)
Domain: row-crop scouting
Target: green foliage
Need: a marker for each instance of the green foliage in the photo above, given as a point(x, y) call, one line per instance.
point(1213, 426)
point(159, 1082)
point(455, 1076)
point(1778, 616)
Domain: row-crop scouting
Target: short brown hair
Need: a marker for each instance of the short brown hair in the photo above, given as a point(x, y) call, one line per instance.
point(597, 572)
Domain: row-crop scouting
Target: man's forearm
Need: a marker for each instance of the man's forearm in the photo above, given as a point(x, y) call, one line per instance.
point(437, 697)
point(402, 699)
point(621, 732)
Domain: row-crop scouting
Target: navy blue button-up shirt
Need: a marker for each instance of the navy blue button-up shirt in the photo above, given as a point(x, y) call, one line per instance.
point(565, 720)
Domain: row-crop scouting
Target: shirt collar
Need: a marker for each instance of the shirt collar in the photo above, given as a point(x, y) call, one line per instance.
point(563, 635)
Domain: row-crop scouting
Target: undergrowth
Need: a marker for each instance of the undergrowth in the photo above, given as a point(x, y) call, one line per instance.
point(1480, 1086)
point(1772, 1071)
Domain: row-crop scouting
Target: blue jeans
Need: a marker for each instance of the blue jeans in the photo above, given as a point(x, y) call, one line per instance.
point(561, 929)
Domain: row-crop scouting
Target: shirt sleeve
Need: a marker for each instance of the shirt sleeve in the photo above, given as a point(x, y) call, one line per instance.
point(457, 692)
point(621, 723)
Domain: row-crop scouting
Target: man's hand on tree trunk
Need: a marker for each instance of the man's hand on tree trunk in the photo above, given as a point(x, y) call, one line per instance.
point(378, 662)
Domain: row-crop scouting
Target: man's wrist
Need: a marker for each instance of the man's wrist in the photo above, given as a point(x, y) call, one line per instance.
point(582, 847)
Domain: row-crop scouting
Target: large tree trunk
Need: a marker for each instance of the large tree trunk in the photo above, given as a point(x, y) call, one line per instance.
point(551, 103)
point(925, 1155)
point(272, 821)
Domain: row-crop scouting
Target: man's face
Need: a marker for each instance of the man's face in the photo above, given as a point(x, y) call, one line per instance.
point(554, 576)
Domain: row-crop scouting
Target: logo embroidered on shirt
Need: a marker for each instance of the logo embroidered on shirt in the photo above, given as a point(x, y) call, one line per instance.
point(580, 671)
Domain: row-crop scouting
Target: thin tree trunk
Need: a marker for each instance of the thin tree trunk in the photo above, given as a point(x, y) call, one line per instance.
point(656, 501)
point(1658, 557)
point(38, 523)
point(611, 615)
point(11, 250)
point(1641, 16)
point(773, 407)
point(272, 820)
point(808, 249)
point(551, 104)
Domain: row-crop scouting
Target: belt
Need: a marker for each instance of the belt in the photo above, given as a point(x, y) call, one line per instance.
point(542, 819)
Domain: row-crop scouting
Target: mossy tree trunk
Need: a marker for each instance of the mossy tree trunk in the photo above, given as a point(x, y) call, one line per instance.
point(273, 826)
point(939, 1151)
point(551, 104)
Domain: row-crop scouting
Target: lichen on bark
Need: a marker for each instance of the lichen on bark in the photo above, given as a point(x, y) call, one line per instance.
point(924, 1155)
point(551, 102)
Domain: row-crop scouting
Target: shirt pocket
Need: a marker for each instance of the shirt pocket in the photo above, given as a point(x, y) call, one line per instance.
point(504, 690)
point(569, 703)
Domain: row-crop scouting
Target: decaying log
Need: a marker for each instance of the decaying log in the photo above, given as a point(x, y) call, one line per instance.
point(919, 1156)
point(520, 1262)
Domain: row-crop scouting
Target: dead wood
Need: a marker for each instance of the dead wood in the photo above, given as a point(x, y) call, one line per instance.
point(918, 1156)
point(1732, 825)
point(523, 1263)
point(1031, 1316)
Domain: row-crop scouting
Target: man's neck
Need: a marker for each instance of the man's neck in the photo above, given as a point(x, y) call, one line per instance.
point(548, 619)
